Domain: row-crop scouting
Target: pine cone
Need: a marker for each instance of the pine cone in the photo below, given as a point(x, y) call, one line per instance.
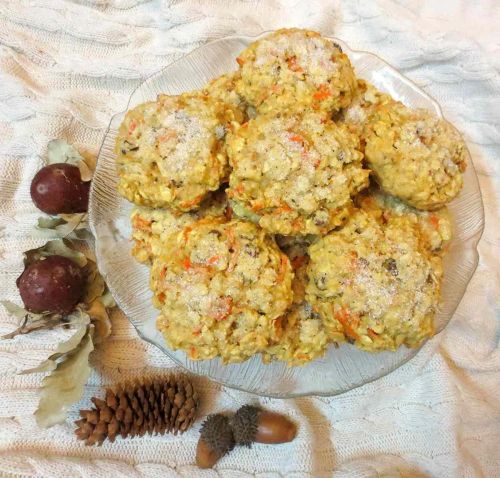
point(157, 406)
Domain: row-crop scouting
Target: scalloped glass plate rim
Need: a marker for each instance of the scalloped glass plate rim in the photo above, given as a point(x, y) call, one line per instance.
point(473, 240)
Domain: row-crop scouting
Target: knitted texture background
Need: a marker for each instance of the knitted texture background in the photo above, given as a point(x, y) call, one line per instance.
point(67, 66)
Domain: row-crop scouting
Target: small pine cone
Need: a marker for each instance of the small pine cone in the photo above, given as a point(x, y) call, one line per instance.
point(134, 409)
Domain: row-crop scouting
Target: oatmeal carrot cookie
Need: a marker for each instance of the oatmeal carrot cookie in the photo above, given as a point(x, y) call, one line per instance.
point(170, 152)
point(154, 229)
point(364, 104)
point(296, 68)
point(222, 290)
point(434, 228)
point(303, 337)
point(372, 283)
point(294, 173)
point(223, 89)
point(415, 156)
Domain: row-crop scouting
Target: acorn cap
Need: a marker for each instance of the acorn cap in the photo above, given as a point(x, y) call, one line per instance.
point(217, 434)
point(245, 425)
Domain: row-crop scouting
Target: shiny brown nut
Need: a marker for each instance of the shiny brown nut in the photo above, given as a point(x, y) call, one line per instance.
point(274, 428)
point(216, 439)
point(59, 189)
point(54, 284)
point(252, 424)
point(206, 456)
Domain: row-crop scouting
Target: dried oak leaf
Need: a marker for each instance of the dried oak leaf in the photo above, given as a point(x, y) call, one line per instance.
point(59, 151)
point(96, 301)
point(100, 319)
point(17, 311)
point(69, 226)
point(62, 349)
point(95, 286)
point(107, 299)
point(64, 385)
point(58, 247)
point(28, 321)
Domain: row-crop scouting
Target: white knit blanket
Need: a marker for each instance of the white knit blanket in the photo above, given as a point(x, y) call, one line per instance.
point(67, 66)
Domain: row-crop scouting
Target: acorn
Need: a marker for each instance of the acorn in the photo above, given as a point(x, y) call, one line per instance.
point(252, 424)
point(52, 284)
point(216, 439)
point(58, 189)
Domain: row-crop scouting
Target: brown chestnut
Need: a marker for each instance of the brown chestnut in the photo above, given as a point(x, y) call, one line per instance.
point(54, 284)
point(58, 189)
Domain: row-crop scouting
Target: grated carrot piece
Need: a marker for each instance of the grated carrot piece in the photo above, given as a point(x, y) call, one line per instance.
point(197, 330)
point(322, 93)
point(372, 334)
point(284, 207)
point(349, 322)
point(283, 267)
point(434, 220)
point(228, 213)
point(257, 205)
point(185, 233)
point(296, 138)
point(297, 224)
point(212, 260)
point(132, 126)
point(293, 65)
point(186, 263)
point(141, 223)
point(193, 202)
point(237, 190)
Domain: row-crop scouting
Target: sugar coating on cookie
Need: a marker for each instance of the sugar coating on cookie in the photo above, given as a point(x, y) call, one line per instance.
point(363, 105)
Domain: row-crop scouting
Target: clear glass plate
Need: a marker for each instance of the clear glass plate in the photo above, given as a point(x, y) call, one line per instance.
point(341, 369)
